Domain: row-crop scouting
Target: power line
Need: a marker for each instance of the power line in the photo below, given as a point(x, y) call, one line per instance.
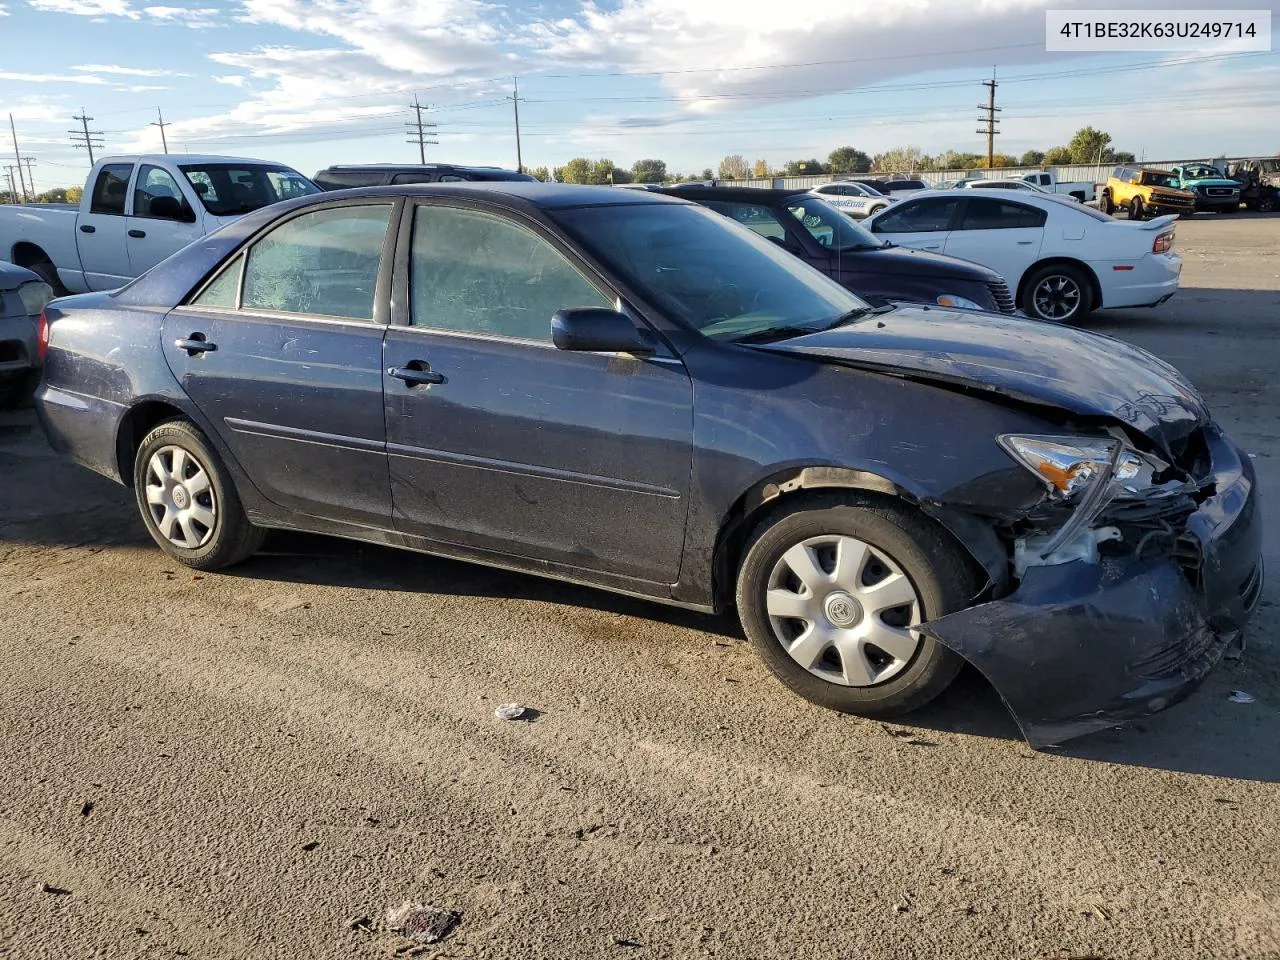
point(424, 131)
point(17, 157)
point(84, 138)
point(990, 119)
point(161, 124)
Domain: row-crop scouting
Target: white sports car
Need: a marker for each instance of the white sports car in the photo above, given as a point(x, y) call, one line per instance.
point(855, 199)
point(1061, 259)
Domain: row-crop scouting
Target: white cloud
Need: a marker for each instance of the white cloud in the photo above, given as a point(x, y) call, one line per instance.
point(3, 11)
point(86, 8)
point(50, 78)
point(141, 88)
point(195, 18)
point(232, 80)
point(124, 71)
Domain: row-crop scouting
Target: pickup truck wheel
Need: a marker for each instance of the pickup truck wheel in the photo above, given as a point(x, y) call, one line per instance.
point(1267, 203)
point(188, 501)
point(1107, 206)
point(830, 592)
point(1136, 210)
point(1058, 292)
point(47, 272)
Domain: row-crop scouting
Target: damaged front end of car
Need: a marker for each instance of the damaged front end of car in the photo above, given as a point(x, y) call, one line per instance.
point(1127, 579)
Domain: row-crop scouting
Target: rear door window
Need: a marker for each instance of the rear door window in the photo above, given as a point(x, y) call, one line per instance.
point(988, 213)
point(323, 263)
point(110, 189)
point(753, 216)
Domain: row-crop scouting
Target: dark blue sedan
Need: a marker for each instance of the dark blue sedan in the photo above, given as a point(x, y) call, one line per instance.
point(630, 391)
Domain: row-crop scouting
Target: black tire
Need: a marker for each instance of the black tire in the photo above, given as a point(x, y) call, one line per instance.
point(1267, 203)
point(47, 272)
point(1054, 273)
point(230, 538)
point(1107, 206)
point(937, 569)
point(1136, 210)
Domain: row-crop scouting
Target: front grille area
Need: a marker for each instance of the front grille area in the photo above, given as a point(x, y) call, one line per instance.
point(1223, 192)
point(1003, 298)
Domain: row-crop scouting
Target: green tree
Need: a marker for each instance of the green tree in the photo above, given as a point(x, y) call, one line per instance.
point(845, 160)
point(1090, 146)
point(733, 167)
point(1032, 158)
point(1003, 160)
point(803, 168)
point(706, 174)
point(1122, 156)
point(952, 160)
point(577, 170)
point(1057, 156)
point(56, 195)
point(761, 169)
point(900, 160)
point(606, 171)
point(539, 173)
point(75, 194)
point(649, 171)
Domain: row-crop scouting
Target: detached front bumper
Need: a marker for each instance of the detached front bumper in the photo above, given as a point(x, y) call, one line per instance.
point(1082, 646)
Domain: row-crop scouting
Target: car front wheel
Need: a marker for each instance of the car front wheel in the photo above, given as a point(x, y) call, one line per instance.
point(831, 593)
point(188, 501)
point(1107, 206)
point(1136, 211)
point(1058, 292)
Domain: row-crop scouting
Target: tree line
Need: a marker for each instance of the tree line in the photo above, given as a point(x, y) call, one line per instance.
point(1086, 146)
point(56, 195)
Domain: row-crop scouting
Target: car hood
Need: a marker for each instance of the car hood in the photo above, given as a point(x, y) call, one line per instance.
point(1044, 364)
point(904, 260)
point(1211, 182)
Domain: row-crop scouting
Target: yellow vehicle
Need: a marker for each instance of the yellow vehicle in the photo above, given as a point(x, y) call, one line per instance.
point(1145, 193)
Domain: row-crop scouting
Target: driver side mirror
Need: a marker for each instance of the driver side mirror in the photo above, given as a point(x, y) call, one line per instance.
point(599, 330)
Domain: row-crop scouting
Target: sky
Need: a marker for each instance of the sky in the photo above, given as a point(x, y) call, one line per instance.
point(310, 83)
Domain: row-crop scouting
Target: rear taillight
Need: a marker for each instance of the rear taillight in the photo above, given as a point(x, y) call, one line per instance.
point(42, 336)
point(1163, 244)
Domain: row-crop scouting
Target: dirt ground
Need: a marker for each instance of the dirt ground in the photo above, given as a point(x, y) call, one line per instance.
point(261, 763)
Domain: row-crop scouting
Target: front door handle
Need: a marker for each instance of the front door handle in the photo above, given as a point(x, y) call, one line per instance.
point(195, 344)
point(87, 228)
point(416, 373)
point(139, 234)
point(1025, 243)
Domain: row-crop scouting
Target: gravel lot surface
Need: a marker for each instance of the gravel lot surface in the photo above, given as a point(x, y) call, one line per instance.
point(261, 763)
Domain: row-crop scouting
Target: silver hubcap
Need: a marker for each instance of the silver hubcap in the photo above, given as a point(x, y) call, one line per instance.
point(843, 610)
point(180, 498)
point(1056, 297)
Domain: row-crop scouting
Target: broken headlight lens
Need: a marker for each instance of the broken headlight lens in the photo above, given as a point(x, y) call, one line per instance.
point(35, 296)
point(1069, 466)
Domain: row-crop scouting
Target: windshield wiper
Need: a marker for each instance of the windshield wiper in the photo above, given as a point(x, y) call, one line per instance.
point(787, 330)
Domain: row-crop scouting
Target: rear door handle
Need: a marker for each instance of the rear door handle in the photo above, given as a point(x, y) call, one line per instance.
point(138, 233)
point(416, 373)
point(195, 344)
point(87, 228)
point(1025, 243)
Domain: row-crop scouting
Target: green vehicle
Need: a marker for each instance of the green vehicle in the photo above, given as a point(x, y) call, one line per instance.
point(1213, 190)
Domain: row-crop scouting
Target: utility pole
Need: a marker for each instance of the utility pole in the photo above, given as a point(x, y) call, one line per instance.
point(515, 103)
point(419, 132)
point(28, 160)
point(161, 124)
point(17, 157)
point(990, 109)
point(8, 172)
point(84, 138)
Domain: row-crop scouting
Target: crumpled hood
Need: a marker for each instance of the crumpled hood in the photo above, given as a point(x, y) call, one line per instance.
point(1086, 374)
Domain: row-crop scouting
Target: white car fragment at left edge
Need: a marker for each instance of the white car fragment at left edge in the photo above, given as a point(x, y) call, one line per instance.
point(1061, 258)
point(857, 200)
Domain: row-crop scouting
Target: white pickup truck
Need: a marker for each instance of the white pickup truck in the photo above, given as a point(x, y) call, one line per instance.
point(1082, 190)
point(136, 211)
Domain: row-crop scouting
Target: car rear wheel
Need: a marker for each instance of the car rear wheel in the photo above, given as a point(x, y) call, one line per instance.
point(831, 592)
point(1107, 206)
point(1057, 292)
point(1267, 203)
point(1136, 210)
point(187, 500)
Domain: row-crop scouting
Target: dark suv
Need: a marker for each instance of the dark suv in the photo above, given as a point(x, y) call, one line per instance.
point(381, 174)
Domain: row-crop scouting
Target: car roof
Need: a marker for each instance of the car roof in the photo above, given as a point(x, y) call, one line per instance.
point(548, 196)
point(407, 167)
point(764, 195)
point(1032, 197)
point(184, 159)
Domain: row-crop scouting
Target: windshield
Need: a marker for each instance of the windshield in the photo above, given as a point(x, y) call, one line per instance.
point(708, 272)
point(230, 189)
point(1270, 165)
point(1200, 173)
point(1154, 179)
point(831, 228)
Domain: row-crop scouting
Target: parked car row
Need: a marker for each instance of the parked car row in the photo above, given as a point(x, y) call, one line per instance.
point(633, 391)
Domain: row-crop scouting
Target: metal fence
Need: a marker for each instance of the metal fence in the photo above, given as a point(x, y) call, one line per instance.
point(1086, 172)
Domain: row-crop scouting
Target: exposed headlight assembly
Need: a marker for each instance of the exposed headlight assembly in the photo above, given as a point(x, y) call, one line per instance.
point(1089, 472)
point(957, 302)
point(35, 296)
